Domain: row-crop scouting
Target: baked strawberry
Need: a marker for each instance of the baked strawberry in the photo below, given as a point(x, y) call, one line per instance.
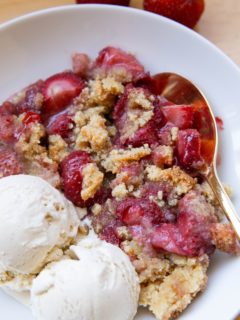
point(7, 108)
point(116, 2)
point(187, 12)
point(9, 163)
point(119, 63)
point(168, 238)
point(189, 147)
point(59, 91)
point(31, 117)
point(33, 99)
point(61, 124)
point(71, 173)
point(109, 234)
point(132, 211)
point(192, 234)
point(180, 115)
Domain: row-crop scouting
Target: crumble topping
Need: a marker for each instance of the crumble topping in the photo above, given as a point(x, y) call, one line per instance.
point(177, 177)
point(225, 238)
point(174, 134)
point(29, 144)
point(92, 180)
point(139, 112)
point(119, 157)
point(96, 209)
point(100, 92)
point(120, 191)
point(58, 148)
point(170, 297)
point(91, 131)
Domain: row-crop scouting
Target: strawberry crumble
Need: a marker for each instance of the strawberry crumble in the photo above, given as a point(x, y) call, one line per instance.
point(102, 135)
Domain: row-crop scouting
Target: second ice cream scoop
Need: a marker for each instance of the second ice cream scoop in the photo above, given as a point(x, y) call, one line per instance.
point(99, 282)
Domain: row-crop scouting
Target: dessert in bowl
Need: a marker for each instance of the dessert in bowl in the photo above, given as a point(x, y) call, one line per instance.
point(130, 160)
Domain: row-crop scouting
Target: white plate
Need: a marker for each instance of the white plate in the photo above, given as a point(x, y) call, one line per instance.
point(40, 44)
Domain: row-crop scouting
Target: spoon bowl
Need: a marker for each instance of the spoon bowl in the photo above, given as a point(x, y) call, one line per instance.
point(180, 90)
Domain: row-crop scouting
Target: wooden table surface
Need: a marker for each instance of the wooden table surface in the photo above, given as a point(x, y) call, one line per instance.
point(220, 22)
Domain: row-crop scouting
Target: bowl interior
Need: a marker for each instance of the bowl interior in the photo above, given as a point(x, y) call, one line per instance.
point(42, 43)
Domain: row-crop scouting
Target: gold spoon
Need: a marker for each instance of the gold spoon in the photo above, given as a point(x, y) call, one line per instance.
point(179, 90)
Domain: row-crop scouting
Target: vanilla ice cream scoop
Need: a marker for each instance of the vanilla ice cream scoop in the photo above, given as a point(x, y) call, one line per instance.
point(98, 283)
point(35, 222)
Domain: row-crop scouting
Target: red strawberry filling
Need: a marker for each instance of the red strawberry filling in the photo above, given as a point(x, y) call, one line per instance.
point(72, 178)
point(61, 124)
point(188, 148)
point(180, 115)
point(114, 61)
point(59, 91)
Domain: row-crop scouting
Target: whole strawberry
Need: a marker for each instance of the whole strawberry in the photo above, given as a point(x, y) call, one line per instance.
point(116, 2)
point(187, 12)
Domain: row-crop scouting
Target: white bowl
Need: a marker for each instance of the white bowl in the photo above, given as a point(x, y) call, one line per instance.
point(40, 44)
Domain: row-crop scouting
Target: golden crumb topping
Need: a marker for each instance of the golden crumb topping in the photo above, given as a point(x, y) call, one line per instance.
point(177, 177)
point(167, 298)
point(58, 148)
point(118, 158)
point(92, 180)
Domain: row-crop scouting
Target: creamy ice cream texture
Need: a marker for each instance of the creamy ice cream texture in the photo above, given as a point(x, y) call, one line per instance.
point(98, 282)
point(36, 221)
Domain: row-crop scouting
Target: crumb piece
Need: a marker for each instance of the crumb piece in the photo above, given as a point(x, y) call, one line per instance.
point(169, 298)
point(92, 180)
point(96, 209)
point(124, 233)
point(100, 92)
point(29, 144)
point(138, 99)
point(91, 131)
point(174, 134)
point(137, 194)
point(120, 74)
point(139, 112)
point(163, 155)
point(119, 158)
point(131, 248)
point(112, 130)
point(178, 178)
point(58, 148)
point(120, 191)
point(206, 190)
point(225, 238)
point(151, 269)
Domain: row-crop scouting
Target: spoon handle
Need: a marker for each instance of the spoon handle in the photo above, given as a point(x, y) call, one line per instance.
point(224, 200)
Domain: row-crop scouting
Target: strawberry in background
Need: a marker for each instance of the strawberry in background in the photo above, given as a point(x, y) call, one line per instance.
point(187, 12)
point(116, 2)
